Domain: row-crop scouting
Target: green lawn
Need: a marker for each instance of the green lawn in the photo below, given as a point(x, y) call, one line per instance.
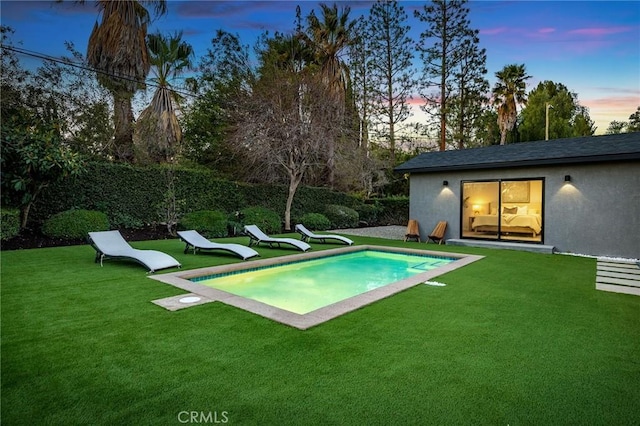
point(515, 338)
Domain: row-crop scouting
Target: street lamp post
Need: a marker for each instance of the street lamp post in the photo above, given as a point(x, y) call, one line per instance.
point(546, 128)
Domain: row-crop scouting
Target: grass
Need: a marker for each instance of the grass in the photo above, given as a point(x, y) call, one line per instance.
point(516, 338)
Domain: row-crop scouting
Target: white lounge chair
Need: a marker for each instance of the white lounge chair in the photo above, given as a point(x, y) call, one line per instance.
point(111, 245)
point(257, 236)
point(308, 236)
point(195, 240)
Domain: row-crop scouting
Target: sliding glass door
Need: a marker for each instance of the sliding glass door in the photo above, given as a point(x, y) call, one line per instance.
point(503, 209)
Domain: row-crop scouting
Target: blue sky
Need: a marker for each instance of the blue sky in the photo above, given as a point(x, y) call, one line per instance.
point(592, 47)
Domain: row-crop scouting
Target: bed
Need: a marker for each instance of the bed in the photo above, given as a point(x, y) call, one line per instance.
point(512, 220)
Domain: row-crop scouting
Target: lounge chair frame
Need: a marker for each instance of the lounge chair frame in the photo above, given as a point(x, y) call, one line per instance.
point(257, 236)
point(195, 241)
point(124, 251)
point(307, 236)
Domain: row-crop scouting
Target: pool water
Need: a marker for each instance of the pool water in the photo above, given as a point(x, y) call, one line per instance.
point(304, 286)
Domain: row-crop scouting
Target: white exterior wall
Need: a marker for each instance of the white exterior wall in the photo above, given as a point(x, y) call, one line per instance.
point(597, 213)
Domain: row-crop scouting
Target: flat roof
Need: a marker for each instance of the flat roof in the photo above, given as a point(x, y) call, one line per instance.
point(589, 149)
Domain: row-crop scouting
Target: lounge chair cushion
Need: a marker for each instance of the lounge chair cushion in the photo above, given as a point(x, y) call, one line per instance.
point(308, 235)
point(198, 242)
point(258, 237)
point(111, 244)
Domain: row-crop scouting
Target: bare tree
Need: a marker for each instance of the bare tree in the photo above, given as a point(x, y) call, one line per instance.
point(284, 126)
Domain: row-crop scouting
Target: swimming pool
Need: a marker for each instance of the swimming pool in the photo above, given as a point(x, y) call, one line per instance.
point(307, 285)
point(307, 289)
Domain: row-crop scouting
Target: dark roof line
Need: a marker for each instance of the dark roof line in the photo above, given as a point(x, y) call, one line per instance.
point(619, 147)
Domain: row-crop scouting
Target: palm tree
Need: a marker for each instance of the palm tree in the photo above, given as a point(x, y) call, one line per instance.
point(158, 131)
point(510, 90)
point(117, 49)
point(328, 38)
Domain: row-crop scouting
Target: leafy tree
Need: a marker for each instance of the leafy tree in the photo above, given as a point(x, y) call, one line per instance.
point(391, 67)
point(487, 131)
point(508, 92)
point(567, 118)
point(225, 77)
point(59, 90)
point(117, 49)
point(634, 121)
point(448, 27)
point(616, 127)
point(34, 154)
point(582, 124)
point(157, 131)
point(33, 157)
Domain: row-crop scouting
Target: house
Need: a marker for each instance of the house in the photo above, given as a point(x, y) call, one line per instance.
point(579, 195)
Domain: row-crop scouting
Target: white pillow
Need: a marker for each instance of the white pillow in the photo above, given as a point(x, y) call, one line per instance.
point(523, 210)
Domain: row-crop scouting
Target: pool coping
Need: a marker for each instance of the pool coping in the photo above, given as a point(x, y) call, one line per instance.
point(180, 279)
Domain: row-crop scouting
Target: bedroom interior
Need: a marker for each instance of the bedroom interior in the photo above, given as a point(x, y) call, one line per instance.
point(503, 209)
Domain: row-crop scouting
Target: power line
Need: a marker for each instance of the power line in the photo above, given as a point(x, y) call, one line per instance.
point(70, 63)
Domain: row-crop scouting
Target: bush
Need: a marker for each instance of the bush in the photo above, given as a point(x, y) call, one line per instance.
point(341, 216)
point(9, 223)
point(368, 213)
point(266, 219)
point(210, 223)
point(72, 224)
point(395, 211)
point(316, 221)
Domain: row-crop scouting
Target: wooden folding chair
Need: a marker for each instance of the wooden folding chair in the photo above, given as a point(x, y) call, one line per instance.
point(437, 235)
point(413, 231)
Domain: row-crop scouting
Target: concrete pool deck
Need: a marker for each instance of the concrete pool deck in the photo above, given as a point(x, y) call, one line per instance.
point(206, 294)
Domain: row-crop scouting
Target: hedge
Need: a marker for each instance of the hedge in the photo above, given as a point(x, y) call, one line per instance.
point(133, 196)
point(9, 223)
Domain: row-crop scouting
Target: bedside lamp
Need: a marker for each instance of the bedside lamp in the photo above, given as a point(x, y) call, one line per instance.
point(476, 209)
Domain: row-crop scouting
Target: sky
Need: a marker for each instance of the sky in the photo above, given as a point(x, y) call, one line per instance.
point(592, 47)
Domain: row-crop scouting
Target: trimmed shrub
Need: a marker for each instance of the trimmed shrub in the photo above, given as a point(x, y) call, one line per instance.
point(341, 216)
point(210, 223)
point(368, 213)
point(9, 223)
point(72, 224)
point(315, 221)
point(266, 219)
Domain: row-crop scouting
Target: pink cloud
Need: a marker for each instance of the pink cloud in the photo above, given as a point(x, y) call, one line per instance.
point(597, 32)
point(546, 30)
point(612, 108)
point(494, 31)
point(614, 103)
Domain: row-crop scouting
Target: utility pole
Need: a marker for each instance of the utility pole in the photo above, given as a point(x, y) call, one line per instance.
point(546, 127)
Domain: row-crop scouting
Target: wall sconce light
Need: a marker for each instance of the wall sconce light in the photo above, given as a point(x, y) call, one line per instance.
point(567, 178)
point(445, 183)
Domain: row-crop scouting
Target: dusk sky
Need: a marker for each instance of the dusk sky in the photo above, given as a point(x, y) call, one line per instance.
point(592, 47)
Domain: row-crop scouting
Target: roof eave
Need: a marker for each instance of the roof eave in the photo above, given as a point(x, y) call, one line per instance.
point(524, 163)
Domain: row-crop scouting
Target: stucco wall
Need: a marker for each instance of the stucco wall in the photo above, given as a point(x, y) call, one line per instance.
point(597, 213)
